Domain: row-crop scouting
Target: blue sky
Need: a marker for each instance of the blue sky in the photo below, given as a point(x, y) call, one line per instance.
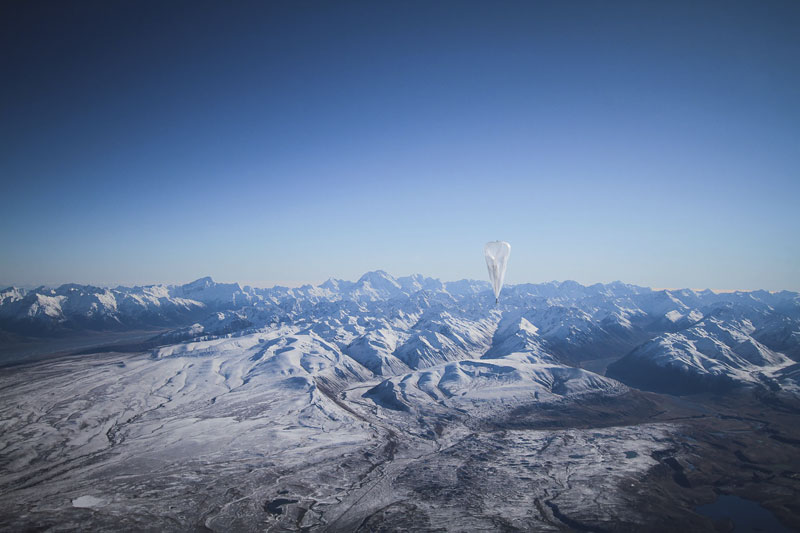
point(266, 142)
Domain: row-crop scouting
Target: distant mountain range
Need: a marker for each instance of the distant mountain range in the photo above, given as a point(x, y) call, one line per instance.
point(666, 340)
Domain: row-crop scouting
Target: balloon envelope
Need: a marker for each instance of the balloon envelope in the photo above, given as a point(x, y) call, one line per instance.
point(497, 253)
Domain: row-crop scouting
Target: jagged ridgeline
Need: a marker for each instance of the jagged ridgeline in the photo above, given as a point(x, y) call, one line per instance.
point(385, 325)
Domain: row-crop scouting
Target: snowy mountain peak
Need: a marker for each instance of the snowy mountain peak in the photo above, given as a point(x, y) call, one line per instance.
point(378, 277)
point(206, 281)
point(332, 284)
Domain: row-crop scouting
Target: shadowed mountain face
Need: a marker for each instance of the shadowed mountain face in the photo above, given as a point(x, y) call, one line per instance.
point(397, 403)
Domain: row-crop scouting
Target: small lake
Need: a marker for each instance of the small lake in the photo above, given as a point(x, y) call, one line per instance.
point(746, 515)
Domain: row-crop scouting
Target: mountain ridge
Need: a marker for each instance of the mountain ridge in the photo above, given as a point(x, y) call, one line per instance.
point(390, 326)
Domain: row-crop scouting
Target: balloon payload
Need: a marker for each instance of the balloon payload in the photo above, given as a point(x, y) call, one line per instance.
point(497, 253)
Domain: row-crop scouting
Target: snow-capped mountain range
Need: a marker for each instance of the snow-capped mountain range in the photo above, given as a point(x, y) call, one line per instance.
point(313, 408)
point(389, 326)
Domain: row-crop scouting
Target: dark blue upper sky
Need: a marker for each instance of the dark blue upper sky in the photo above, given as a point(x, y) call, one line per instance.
point(267, 142)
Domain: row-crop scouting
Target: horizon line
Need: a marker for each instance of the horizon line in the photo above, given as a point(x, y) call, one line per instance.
point(297, 285)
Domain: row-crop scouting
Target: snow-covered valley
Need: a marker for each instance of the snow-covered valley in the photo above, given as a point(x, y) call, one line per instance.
point(397, 403)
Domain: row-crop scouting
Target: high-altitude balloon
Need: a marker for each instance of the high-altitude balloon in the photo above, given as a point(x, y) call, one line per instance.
point(497, 253)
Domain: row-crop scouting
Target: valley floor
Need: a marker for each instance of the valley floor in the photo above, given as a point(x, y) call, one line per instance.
point(110, 442)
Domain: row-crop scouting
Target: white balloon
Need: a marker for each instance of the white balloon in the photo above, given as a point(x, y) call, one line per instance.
point(497, 253)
